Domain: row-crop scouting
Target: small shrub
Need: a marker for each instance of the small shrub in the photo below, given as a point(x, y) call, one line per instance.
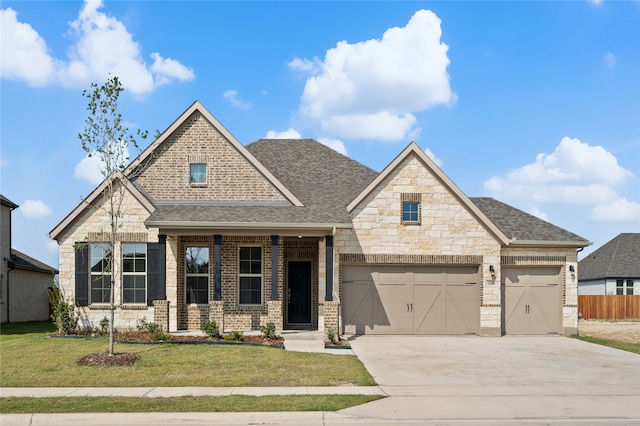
point(268, 330)
point(161, 335)
point(104, 326)
point(234, 335)
point(64, 314)
point(151, 327)
point(211, 329)
point(331, 335)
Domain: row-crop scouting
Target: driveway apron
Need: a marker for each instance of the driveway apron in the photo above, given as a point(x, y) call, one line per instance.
point(485, 378)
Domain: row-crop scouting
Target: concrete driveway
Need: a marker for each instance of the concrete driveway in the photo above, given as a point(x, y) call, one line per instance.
point(484, 379)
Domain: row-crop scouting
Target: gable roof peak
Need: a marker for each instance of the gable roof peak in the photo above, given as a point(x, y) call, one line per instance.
point(414, 149)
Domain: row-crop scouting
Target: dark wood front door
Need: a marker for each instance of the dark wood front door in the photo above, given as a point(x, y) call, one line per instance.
point(299, 293)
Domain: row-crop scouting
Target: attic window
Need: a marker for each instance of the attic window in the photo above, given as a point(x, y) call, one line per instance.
point(198, 174)
point(411, 209)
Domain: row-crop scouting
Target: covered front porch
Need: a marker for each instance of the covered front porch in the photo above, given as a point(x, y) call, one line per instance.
point(246, 280)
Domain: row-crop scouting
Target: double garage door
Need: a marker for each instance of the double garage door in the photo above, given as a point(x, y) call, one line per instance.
point(384, 299)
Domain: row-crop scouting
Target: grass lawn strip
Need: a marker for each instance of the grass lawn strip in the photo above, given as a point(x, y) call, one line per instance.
point(234, 403)
point(30, 358)
point(625, 346)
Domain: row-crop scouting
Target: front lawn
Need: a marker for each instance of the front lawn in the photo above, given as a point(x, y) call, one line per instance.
point(183, 404)
point(617, 344)
point(30, 358)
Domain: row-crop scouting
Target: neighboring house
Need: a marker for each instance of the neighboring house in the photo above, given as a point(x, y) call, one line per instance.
point(23, 294)
point(294, 233)
point(612, 269)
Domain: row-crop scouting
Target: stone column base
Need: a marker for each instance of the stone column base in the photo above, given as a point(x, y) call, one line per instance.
point(275, 314)
point(216, 313)
point(331, 313)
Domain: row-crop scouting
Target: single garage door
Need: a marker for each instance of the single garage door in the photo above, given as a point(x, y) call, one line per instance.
point(383, 299)
point(532, 300)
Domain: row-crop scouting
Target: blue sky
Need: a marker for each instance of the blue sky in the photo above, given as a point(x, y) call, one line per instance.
point(536, 104)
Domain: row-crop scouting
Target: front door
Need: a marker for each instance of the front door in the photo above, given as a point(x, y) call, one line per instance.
point(299, 293)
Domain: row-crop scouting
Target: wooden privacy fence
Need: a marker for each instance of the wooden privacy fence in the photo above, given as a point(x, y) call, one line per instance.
point(609, 307)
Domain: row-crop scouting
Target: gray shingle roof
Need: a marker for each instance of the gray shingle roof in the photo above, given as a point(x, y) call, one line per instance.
point(20, 260)
point(619, 258)
point(518, 225)
point(323, 179)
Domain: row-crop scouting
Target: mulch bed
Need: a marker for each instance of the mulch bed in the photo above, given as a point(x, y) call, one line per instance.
point(101, 359)
point(147, 337)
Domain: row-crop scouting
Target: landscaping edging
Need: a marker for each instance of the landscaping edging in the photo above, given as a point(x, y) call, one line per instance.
point(199, 342)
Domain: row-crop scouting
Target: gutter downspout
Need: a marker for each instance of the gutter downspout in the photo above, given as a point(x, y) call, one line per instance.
point(579, 314)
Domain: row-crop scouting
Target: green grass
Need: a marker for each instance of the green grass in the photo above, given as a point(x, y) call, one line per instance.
point(625, 346)
point(30, 358)
point(235, 403)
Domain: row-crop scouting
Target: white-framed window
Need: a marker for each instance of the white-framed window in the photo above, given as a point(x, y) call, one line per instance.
point(250, 276)
point(624, 287)
point(197, 275)
point(134, 272)
point(198, 173)
point(100, 255)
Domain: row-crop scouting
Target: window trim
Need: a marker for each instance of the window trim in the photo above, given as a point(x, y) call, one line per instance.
point(94, 275)
point(250, 275)
point(200, 274)
point(191, 174)
point(124, 273)
point(411, 199)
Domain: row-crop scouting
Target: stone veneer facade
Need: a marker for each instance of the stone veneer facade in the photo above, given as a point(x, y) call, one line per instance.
point(447, 234)
point(93, 226)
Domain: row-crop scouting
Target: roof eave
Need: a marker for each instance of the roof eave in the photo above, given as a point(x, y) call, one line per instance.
point(87, 202)
point(548, 243)
point(244, 226)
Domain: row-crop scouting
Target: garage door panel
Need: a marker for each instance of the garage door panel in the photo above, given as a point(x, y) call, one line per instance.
point(532, 300)
point(394, 316)
point(358, 308)
point(411, 299)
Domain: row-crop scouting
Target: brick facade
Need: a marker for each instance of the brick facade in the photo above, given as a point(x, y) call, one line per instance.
point(230, 176)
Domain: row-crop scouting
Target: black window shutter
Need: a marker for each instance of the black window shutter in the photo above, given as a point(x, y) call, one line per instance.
point(82, 274)
point(152, 273)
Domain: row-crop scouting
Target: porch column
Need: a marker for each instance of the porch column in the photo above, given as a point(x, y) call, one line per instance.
point(217, 267)
point(328, 297)
point(162, 270)
point(274, 267)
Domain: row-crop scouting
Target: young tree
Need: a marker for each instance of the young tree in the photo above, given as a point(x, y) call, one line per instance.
point(106, 138)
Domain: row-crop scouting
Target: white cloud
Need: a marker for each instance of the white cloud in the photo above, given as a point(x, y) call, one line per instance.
point(306, 65)
point(371, 89)
point(619, 210)
point(3, 163)
point(287, 134)
point(89, 169)
point(435, 159)
point(232, 96)
point(610, 60)
point(35, 209)
point(574, 173)
point(102, 46)
point(334, 144)
point(24, 53)
point(595, 2)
